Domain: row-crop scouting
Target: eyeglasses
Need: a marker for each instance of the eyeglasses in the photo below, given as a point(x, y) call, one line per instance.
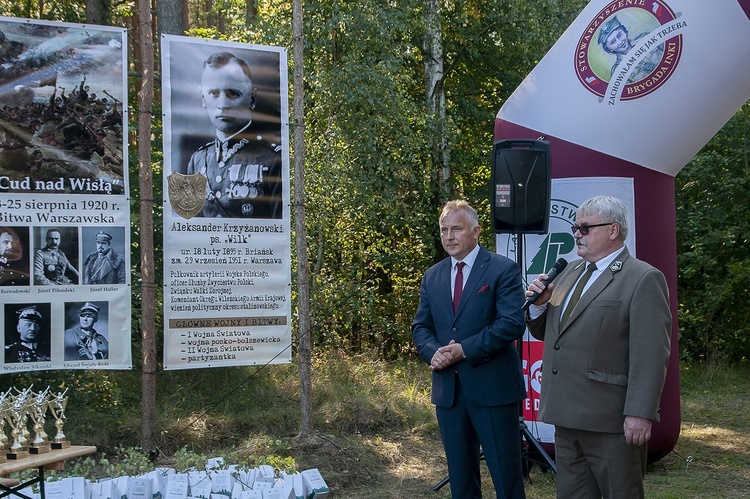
point(584, 229)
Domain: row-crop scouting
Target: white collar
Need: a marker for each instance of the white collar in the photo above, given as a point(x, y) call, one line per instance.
point(468, 260)
point(227, 139)
point(607, 260)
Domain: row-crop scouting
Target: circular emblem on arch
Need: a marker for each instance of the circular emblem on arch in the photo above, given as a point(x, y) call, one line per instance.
point(629, 49)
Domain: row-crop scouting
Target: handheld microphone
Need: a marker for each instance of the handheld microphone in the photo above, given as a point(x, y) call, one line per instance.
point(558, 267)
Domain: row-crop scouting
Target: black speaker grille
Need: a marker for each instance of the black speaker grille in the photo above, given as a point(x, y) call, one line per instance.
point(521, 187)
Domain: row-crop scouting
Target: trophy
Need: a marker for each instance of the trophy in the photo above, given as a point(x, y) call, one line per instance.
point(57, 405)
point(38, 409)
point(4, 408)
point(26, 401)
point(18, 412)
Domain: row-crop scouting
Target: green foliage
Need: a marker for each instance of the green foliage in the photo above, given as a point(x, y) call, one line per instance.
point(131, 461)
point(229, 20)
point(490, 48)
point(713, 250)
point(373, 200)
point(185, 459)
point(70, 11)
point(98, 390)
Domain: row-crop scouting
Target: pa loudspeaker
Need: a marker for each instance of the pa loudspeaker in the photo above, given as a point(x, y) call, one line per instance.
point(521, 186)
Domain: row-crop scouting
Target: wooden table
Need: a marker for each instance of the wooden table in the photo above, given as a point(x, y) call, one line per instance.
point(52, 460)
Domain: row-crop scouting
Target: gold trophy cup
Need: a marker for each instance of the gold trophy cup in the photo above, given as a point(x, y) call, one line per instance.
point(38, 410)
point(57, 405)
point(19, 415)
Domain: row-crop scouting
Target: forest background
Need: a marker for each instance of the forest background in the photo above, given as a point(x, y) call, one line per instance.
point(380, 160)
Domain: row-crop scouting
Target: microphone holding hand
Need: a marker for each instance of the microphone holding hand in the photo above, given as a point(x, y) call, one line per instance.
point(558, 267)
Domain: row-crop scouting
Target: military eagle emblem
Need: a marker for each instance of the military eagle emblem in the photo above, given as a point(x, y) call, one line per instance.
point(187, 193)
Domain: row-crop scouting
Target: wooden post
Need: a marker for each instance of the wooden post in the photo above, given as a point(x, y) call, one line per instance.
point(146, 202)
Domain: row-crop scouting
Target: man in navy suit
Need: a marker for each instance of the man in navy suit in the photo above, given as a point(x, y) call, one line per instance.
point(477, 381)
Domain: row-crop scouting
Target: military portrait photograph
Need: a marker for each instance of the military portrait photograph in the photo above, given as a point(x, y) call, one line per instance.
point(86, 331)
point(104, 259)
point(56, 256)
point(223, 130)
point(27, 332)
point(14, 256)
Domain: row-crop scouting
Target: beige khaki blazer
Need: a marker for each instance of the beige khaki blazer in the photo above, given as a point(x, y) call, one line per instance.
point(610, 359)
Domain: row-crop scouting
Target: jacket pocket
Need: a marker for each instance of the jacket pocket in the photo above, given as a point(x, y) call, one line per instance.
point(610, 378)
point(605, 303)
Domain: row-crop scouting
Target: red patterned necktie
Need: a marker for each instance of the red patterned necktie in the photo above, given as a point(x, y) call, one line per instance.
point(459, 285)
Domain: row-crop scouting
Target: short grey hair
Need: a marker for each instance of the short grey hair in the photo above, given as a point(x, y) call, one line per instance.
point(609, 209)
point(460, 205)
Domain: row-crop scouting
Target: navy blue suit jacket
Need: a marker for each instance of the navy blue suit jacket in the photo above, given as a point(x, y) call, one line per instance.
point(488, 321)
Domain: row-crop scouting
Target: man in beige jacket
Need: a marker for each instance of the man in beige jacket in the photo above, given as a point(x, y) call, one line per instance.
point(607, 340)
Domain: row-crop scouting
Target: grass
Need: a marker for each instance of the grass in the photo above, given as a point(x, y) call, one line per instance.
point(712, 456)
point(375, 429)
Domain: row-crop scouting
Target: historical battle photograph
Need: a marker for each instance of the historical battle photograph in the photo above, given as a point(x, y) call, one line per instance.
point(62, 106)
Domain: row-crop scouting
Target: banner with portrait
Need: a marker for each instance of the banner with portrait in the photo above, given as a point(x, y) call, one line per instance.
point(649, 82)
point(634, 89)
point(65, 213)
point(227, 250)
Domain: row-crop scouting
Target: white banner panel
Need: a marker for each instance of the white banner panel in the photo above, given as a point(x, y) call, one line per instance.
point(542, 251)
point(227, 251)
point(646, 81)
point(65, 213)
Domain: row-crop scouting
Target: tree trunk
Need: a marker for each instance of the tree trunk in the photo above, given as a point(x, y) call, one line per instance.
point(435, 96)
point(170, 16)
point(210, 16)
point(185, 15)
point(97, 11)
point(303, 268)
point(251, 11)
point(145, 182)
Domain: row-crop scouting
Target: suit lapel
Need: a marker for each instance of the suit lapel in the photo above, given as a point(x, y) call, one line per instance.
point(481, 264)
point(444, 283)
point(564, 288)
point(588, 296)
point(596, 287)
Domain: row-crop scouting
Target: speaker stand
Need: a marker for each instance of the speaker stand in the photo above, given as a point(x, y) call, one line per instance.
point(533, 452)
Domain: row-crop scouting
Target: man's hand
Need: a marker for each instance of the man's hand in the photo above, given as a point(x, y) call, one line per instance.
point(447, 355)
point(637, 430)
point(539, 286)
point(84, 352)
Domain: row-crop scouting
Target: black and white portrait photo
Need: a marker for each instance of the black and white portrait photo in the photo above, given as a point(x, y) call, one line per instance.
point(56, 256)
point(225, 129)
point(86, 335)
point(27, 332)
point(104, 255)
point(14, 256)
